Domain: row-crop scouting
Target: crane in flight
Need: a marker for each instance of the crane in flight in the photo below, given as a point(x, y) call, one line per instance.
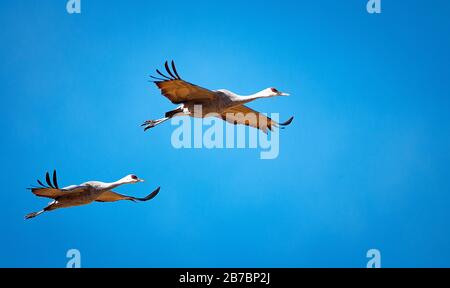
point(82, 194)
point(220, 103)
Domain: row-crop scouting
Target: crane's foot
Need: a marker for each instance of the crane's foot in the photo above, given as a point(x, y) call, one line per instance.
point(149, 124)
point(152, 123)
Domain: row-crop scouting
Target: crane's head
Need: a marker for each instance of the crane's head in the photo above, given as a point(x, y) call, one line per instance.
point(274, 92)
point(131, 179)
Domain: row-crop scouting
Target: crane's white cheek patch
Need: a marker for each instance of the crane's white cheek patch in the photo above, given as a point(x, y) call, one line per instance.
point(213, 132)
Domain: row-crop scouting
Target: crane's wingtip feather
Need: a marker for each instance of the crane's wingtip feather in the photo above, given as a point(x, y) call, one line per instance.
point(55, 181)
point(289, 121)
point(165, 76)
point(47, 179)
point(175, 70)
point(166, 65)
point(153, 194)
point(156, 78)
point(40, 183)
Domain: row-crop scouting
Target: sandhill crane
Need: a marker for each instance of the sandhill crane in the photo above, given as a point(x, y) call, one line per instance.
point(85, 193)
point(222, 103)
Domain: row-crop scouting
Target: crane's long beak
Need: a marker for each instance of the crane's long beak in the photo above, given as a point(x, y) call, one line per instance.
point(141, 180)
point(284, 94)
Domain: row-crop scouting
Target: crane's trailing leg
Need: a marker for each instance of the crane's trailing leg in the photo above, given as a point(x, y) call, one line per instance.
point(34, 214)
point(152, 123)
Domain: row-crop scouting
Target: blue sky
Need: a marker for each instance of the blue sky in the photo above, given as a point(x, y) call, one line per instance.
point(364, 165)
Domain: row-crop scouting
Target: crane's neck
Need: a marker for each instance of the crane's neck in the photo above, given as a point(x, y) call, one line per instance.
point(112, 185)
point(249, 98)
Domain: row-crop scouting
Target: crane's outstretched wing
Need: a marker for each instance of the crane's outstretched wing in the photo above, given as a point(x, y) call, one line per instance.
point(243, 115)
point(110, 196)
point(52, 190)
point(178, 90)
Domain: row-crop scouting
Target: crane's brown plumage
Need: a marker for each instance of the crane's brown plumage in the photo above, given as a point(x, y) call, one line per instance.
point(111, 196)
point(51, 190)
point(76, 195)
point(244, 115)
point(227, 105)
point(179, 91)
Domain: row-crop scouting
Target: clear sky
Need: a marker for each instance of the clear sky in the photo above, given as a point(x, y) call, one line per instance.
point(365, 164)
